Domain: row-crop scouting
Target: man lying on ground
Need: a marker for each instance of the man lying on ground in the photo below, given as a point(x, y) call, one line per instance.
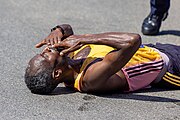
point(101, 63)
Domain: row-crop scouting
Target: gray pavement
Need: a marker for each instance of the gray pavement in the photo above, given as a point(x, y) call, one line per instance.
point(23, 23)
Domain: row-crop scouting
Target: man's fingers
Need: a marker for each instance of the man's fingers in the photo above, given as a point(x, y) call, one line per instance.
point(59, 40)
point(64, 52)
point(55, 40)
point(71, 49)
point(61, 54)
point(58, 45)
point(46, 49)
point(51, 41)
point(40, 44)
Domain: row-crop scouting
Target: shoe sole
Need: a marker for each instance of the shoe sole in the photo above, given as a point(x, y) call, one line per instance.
point(149, 33)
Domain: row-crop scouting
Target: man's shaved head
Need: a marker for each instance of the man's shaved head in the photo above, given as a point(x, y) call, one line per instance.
point(38, 76)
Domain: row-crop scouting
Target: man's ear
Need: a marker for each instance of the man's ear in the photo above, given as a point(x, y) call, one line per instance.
point(57, 73)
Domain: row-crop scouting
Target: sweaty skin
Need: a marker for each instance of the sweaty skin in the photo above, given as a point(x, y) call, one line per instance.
point(101, 76)
point(106, 75)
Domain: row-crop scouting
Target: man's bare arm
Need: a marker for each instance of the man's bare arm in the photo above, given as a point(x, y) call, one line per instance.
point(102, 76)
point(112, 39)
point(58, 33)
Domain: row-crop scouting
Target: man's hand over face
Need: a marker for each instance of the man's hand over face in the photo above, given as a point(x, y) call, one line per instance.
point(70, 44)
point(54, 37)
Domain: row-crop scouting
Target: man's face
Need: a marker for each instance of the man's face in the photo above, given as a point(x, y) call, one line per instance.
point(48, 58)
point(51, 56)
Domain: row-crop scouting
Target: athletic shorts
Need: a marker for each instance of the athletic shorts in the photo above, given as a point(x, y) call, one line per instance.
point(143, 68)
point(171, 78)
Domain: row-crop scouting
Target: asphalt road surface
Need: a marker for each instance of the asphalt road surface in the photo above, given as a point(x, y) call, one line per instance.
point(23, 23)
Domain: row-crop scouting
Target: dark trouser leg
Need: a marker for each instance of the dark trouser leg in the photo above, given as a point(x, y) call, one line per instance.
point(159, 12)
point(166, 85)
point(159, 7)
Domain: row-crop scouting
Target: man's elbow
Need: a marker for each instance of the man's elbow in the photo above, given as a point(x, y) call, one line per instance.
point(135, 40)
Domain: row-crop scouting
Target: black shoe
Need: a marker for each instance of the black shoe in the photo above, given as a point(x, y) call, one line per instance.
point(152, 24)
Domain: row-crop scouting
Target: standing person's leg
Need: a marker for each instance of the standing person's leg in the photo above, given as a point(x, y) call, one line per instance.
point(158, 13)
point(159, 7)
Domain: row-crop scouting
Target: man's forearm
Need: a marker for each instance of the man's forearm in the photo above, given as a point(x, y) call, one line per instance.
point(114, 39)
point(66, 30)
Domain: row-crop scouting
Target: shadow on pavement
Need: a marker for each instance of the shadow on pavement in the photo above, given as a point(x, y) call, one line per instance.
point(137, 96)
point(134, 95)
point(62, 90)
point(170, 32)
